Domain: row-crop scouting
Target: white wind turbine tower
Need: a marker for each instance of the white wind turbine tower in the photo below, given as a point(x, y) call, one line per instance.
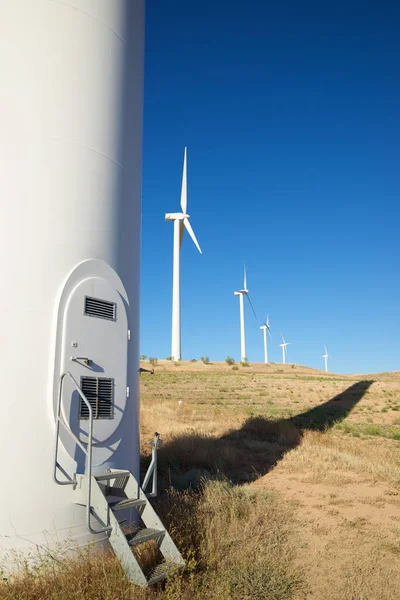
point(241, 294)
point(181, 220)
point(266, 327)
point(284, 349)
point(325, 357)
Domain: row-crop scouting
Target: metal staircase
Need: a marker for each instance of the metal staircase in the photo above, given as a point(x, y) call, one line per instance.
point(117, 491)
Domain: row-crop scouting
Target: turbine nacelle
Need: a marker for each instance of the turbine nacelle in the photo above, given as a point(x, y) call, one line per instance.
point(176, 216)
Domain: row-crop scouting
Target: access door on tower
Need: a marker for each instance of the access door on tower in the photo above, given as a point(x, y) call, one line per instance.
point(95, 352)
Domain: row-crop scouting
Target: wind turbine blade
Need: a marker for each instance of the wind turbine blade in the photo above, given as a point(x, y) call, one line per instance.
point(244, 280)
point(184, 187)
point(191, 233)
point(252, 307)
point(181, 232)
point(267, 322)
point(283, 338)
point(270, 334)
point(326, 352)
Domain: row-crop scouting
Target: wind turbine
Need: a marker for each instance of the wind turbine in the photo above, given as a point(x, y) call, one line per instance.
point(241, 294)
point(181, 220)
point(325, 357)
point(284, 350)
point(266, 327)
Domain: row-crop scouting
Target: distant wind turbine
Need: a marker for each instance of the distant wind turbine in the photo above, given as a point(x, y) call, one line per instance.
point(284, 349)
point(241, 294)
point(325, 357)
point(266, 327)
point(181, 220)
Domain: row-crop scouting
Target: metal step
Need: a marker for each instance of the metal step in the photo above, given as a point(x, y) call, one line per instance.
point(127, 503)
point(111, 490)
point(115, 475)
point(161, 571)
point(144, 535)
point(124, 535)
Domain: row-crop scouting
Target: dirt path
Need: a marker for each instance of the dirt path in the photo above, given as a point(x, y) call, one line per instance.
point(349, 534)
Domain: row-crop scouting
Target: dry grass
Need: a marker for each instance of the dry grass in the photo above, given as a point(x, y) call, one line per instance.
point(87, 576)
point(276, 482)
point(320, 456)
point(238, 543)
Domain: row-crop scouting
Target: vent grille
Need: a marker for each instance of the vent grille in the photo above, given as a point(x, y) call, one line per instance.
point(94, 307)
point(100, 393)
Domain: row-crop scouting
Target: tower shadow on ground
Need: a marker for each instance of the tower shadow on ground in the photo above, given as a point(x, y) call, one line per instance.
point(245, 454)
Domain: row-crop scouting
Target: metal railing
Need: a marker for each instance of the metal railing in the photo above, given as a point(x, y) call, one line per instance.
point(152, 470)
point(87, 451)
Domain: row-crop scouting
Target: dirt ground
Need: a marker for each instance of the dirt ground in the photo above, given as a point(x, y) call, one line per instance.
point(327, 444)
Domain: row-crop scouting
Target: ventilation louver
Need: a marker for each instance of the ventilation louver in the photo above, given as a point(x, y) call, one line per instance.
point(100, 308)
point(99, 392)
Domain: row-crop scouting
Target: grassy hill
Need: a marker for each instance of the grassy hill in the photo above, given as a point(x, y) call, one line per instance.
point(326, 445)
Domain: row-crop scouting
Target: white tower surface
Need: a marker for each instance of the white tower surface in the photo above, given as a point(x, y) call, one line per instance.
point(70, 180)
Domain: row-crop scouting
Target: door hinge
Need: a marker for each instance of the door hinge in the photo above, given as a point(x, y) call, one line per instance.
point(129, 334)
point(127, 391)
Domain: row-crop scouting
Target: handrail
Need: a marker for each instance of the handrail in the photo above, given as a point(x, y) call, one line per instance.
point(152, 470)
point(88, 451)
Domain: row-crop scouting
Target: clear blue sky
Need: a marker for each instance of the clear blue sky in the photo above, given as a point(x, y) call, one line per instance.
point(291, 115)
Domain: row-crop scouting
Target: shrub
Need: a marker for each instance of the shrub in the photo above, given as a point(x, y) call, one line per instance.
point(205, 360)
point(244, 363)
point(169, 357)
point(143, 357)
point(153, 360)
point(235, 368)
point(229, 360)
point(193, 360)
point(373, 430)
